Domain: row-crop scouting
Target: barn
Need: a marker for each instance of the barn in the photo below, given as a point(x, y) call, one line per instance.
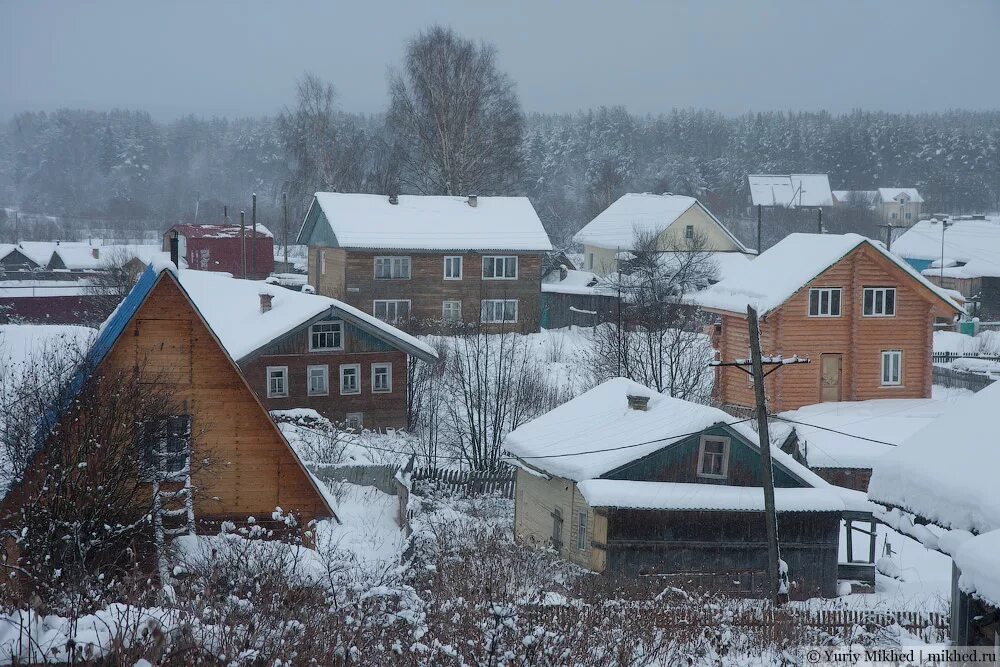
point(221, 248)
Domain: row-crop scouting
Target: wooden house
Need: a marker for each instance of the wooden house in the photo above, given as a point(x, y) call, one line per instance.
point(159, 330)
point(301, 350)
point(410, 258)
point(899, 206)
point(939, 487)
point(674, 220)
point(624, 481)
point(222, 248)
point(862, 316)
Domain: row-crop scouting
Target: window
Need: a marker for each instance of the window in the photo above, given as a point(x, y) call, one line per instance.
point(499, 311)
point(355, 420)
point(165, 444)
point(894, 216)
point(879, 302)
point(350, 379)
point(391, 310)
point(453, 267)
point(381, 378)
point(392, 268)
point(590, 261)
point(322, 263)
point(892, 368)
point(500, 267)
point(326, 336)
point(689, 232)
point(277, 381)
point(713, 457)
point(581, 531)
point(318, 380)
point(451, 311)
point(824, 302)
point(557, 523)
point(908, 215)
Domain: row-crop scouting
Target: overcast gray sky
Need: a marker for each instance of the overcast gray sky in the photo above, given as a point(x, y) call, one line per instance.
point(178, 56)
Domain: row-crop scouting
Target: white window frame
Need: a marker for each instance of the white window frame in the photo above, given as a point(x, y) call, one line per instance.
point(359, 417)
point(283, 370)
point(375, 303)
point(444, 311)
point(820, 291)
point(885, 371)
point(493, 260)
point(325, 373)
point(357, 376)
point(392, 261)
point(379, 365)
point(338, 335)
point(884, 291)
point(689, 232)
point(725, 456)
point(581, 530)
point(451, 259)
point(492, 305)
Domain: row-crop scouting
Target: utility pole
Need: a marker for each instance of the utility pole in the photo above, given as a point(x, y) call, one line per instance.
point(756, 371)
point(758, 228)
point(820, 220)
point(284, 214)
point(243, 245)
point(253, 237)
point(225, 214)
point(944, 227)
point(888, 233)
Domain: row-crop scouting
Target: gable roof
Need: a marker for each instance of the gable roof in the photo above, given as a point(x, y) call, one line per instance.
point(974, 243)
point(688, 496)
point(80, 256)
point(7, 249)
point(229, 231)
point(785, 268)
point(947, 471)
point(790, 190)
point(232, 307)
point(417, 222)
point(615, 226)
point(889, 194)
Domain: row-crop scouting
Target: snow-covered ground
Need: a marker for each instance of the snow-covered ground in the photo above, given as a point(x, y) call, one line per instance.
point(368, 529)
point(985, 342)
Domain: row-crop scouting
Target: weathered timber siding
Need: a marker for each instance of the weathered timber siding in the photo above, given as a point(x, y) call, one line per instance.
point(661, 542)
point(535, 500)
point(860, 340)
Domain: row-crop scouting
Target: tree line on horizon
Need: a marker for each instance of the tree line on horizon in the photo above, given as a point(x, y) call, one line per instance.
point(454, 125)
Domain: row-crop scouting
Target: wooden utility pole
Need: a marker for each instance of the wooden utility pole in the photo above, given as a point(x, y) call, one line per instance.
point(820, 220)
point(243, 245)
point(758, 228)
point(253, 237)
point(756, 371)
point(888, 233)
point(284, 215)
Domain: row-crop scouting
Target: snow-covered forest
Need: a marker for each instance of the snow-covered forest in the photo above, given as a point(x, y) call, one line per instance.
point(124, 165)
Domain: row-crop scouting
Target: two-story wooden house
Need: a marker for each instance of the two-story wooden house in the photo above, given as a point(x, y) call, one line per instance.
point(862, 316)
point(412, 258)
point(625, 481)
point(308, 351)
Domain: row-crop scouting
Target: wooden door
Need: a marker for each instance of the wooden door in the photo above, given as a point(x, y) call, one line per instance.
point(830, 374)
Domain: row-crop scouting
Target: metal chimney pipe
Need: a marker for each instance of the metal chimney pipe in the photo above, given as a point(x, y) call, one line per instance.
point(175, 245)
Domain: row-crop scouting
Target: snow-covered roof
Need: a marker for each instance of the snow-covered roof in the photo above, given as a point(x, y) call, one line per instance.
point(790, 190)
point(785, 268)
point(229, 231)
point(577, 282)
point(947, 471)
point(889, 194)
point(616, 226)
point(39, 252)
point(974, 243)
point(231, 307)
point(977, 561)
point(562, 441)
point(704, 497)
point(885, 420)
point(79, 256)
point(431, 223)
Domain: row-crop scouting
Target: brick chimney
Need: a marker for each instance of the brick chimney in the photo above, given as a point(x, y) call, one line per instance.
point(265, 302)
point(638, 402)
point(473, 201)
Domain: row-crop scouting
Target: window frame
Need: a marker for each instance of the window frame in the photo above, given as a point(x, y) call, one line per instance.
point(482, 305)
point(150, 470)
point(888, 355)
point(388, 368)
point(444, 316)
point(461, 267)
point(688, 232)
point(409, 307)
point(392, 259)
point(492, 259)
point(326, 379)
point(284, 378)
point(339, 335)
point(357, 375)
point(875, 290)
point(582, 520)
point(726, 448)
point(351, 416)
point(819, 301)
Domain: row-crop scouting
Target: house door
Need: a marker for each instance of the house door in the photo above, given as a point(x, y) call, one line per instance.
point(830, 372)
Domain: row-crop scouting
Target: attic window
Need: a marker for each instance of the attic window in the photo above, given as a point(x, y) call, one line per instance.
point(326, 336)
point(689, 232)
point(713, 457)
point(165, 444)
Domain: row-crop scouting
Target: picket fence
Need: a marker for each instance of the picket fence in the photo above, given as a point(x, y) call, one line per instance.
point(497, 482)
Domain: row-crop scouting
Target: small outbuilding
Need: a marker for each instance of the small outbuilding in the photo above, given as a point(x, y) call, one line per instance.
point(222, 248)
point(625, 481)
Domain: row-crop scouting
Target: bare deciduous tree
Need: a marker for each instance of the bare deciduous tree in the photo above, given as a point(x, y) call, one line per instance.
point(456, 118)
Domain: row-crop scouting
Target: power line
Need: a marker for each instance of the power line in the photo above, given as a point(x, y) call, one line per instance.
point(833, 430)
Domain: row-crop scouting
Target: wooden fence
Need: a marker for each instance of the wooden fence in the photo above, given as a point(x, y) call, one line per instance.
point(948, 357)
point(499, 481)
point(956, 379)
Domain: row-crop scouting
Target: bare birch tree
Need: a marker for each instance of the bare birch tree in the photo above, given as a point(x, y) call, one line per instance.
point(456, 118)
